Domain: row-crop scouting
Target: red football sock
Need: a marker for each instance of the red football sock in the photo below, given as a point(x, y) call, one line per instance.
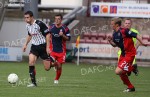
point(126, 80)
point(34, 71)
point(58, 73)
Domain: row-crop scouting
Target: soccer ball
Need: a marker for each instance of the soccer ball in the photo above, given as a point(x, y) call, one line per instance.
point(12, 78)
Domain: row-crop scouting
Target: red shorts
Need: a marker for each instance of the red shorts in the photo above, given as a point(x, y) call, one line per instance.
point(125, 63)
point(60, 57)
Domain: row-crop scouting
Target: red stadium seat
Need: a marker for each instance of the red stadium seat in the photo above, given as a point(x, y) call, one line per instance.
point(109, 35)
point(96, 41)
point(145, 40)
point(82, 40)
point(88, 41)
point(148, 43)
point(94, 34)
point(93, 38)
point(86, 37)
point(86, 34)
point(101, 36)
point(145, 37)
point(104, 41)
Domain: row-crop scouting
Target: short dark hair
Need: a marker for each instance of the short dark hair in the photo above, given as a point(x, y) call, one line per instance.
point(128, 19)
point(117, 21)
point(30, 13)
point(59, 15)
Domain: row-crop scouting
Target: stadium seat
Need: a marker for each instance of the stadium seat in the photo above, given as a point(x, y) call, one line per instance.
point(94, 34)
point(145, 40)
point(145, 37)
point(96, 41)
point(108, 34)
point(93, 38)
point(101, 36)
point(82, 40)
point(87, 34)
point(104, 41)
point(148, 44)
point(86, 37)
point(88, 41)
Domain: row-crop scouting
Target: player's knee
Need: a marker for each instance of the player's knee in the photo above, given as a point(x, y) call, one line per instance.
point(59, 66)
point(47, 69)
point(31, 63)
point(117, 72)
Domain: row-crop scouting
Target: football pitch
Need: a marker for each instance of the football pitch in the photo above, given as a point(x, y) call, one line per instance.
point(85, 80)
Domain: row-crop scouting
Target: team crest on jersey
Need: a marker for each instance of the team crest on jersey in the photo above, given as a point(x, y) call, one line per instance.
point(61, 30)
point(129, 32)
point(118, 34)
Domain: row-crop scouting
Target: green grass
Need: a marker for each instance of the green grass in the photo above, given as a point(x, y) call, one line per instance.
point(86, 80)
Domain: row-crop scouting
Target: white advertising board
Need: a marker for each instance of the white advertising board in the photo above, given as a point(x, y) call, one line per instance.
point(120, 10)
point(10, 53)
point(107, 51)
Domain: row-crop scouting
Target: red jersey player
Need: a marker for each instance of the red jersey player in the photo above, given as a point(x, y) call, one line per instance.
point(59, 35)
point(122, 38)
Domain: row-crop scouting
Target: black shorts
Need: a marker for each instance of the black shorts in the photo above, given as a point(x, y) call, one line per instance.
point(39, 51)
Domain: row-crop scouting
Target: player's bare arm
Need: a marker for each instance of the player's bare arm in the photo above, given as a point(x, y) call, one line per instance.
point(111, 41)
point(139, 38)
point(137, 44)
point(29, 37)
point(48, 43)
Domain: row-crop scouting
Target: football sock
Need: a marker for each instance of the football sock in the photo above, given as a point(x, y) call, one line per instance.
point(32, 73)
point(126, 80)
point(58, 73)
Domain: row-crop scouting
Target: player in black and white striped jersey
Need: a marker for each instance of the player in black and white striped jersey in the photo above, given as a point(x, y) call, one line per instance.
point(39, 35)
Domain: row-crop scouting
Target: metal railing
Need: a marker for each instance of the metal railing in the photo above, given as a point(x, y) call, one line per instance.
point(3, 5)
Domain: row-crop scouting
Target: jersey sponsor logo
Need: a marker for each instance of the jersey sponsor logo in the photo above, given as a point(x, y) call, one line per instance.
point(56, 35)
point(117, 40)
point(68, 34)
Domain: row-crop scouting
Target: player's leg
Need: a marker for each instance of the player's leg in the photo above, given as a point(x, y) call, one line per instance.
point(47, 60)
point(32, 72)
point(53, 60)
point(60, 60)
point(135, 71)
point(58, 72)
point(124, 66)
point(46, 65)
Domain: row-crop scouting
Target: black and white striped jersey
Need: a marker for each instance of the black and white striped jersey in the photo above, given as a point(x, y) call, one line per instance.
point(38, 30)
